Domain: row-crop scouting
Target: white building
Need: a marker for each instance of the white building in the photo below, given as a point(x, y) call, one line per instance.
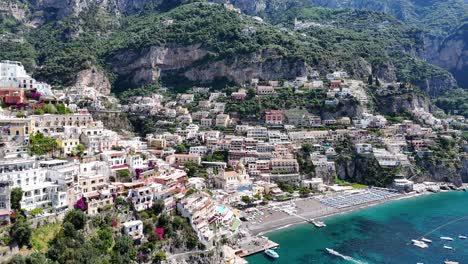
point(133, 229)
point(13, 74)
point(200, 150)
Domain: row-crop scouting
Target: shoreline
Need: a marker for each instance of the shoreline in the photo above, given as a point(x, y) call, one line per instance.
point(289, 221)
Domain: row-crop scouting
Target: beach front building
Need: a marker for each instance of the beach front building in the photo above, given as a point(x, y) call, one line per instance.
point(388, 159)
point(200, 209)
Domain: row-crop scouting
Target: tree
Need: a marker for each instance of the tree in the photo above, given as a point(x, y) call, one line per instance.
point(123, 251)
point(124, 175)
point(192, 241)
point(49, 109)
point(191, 168)
point(304, 191)
point(159, 257)
point(41, 145)
point(62, 109)
point(21, 233)
point(77, 218)
point(245, 199)
point(80, 149)
point(181, 148)
point(370, 79)
point(34, 258)
point(158, 207)
point(103, 239)
point(307, 148)
point(15, 198)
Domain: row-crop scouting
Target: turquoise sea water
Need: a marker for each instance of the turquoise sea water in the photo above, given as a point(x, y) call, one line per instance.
point(380, 234)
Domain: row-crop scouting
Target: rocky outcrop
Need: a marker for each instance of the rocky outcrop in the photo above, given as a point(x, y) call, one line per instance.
point(442, 171)
point(363, 169)
point(93, 77)
point(152, 63)
point(147, 65)
point(436, 85)
point(266, 65)
point(453, 55)
point(403, 102)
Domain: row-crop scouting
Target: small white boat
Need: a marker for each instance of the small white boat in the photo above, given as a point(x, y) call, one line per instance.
point(271, 253)
point(447, 247)
point(419, 243)
point(447, 238)
point(318, 223)
point(462, 237)
point(426, 240)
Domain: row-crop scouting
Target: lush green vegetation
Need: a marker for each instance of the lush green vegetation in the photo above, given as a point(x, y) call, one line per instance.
point(71, 44)
point(284, 99)
point(454, 102)
point(437, 17)
point(41, 145)
point(42, 235)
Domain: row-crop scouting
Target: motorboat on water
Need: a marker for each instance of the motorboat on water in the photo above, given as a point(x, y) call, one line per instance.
point(450, 262)
point(461, 237)
point(447, 247)
point(271, 253)
point(331, 251)
point(419, 243)
point(426, 240)
point(318, 223)
point(447, 238)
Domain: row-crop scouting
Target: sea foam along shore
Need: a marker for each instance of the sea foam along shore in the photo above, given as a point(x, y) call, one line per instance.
point(282, 220)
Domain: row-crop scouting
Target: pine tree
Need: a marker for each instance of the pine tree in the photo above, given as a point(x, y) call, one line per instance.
point(370, 79)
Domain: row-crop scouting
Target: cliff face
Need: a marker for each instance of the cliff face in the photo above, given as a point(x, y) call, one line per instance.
point(453, 55)
point(365, 170)
point(93, 77)
point(443, 171)
point(266, 65)
point(147, 65)
point(150, 64)
point(74, 7)
point(436, 85)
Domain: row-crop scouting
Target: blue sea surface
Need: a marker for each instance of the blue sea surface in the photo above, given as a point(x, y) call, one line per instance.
point(381, 234)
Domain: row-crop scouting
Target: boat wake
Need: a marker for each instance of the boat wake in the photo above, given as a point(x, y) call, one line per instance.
point(348, 258)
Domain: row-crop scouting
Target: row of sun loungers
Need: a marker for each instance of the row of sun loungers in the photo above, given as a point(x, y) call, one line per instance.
point(353, 199)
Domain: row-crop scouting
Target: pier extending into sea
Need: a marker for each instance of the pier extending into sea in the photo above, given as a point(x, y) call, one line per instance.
point(254, 245)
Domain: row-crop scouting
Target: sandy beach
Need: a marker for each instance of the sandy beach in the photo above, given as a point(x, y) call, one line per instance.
point(307, 208)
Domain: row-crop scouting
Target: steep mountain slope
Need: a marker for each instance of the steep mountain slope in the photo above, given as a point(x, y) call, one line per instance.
point(206, 43)
point(453, 54)
point(436, 19)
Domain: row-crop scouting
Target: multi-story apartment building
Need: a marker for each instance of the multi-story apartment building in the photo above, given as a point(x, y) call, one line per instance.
point(55, 123)
point(25, 172)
